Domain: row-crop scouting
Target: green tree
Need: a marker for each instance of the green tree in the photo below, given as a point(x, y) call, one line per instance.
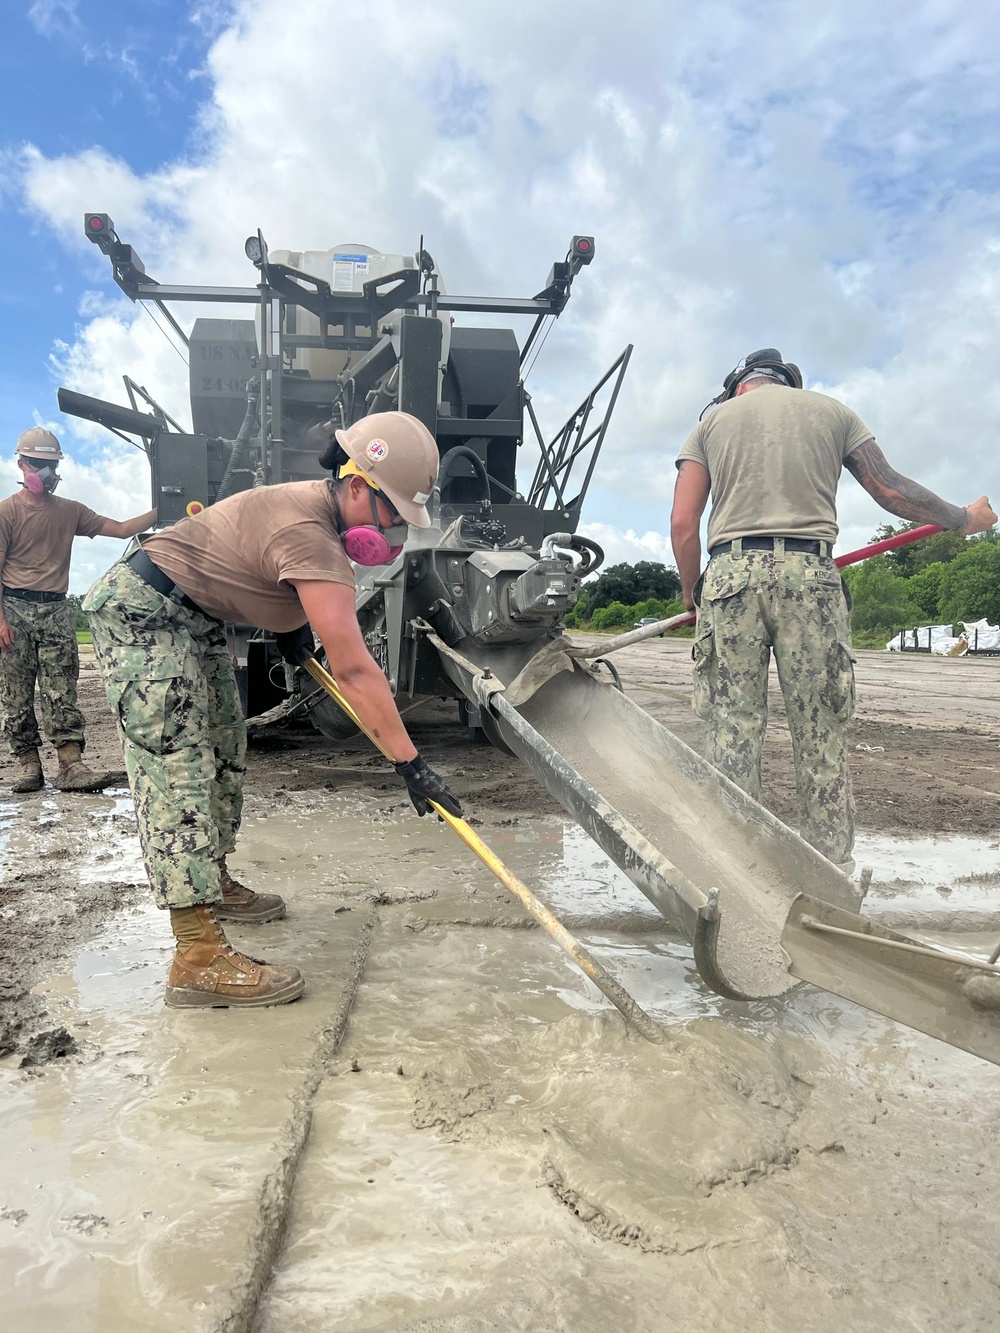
point(629, 584)
point(970, 585)
point(614, 616)
point(882, 600)
point(576, 615)
point(81, 617)
point(909, 560)
point(925, 589)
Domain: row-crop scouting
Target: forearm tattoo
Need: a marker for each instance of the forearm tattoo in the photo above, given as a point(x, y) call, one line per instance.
point(898, 494)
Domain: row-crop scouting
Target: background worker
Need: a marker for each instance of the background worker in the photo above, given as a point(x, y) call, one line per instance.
point(771, 456)
point(37, 624)
point(276, 557)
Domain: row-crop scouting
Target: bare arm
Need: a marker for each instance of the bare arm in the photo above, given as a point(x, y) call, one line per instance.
point(6, 633)
point(329, 608)
point(128, 527)
point(690, 497)
point(908, 499)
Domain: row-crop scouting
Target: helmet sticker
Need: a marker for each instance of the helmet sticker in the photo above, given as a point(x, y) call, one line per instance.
point(420, 498)
point(377, 450)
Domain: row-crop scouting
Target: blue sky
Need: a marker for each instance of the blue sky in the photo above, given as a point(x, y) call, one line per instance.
point(125, 76)
point(821, 180)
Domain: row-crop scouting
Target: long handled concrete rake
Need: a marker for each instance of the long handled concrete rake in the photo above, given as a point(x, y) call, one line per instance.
point(589, 965)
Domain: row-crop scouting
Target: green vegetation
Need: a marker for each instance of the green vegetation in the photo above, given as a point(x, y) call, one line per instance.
point(943, 580)
point(83, 634)
point(624, 594)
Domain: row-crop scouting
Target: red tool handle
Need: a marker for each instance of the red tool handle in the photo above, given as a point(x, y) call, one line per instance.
point(890, 544)
point(852, 557)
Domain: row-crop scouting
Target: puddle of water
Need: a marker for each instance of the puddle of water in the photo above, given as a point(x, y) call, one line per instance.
point(52, 830)
point(931, 871)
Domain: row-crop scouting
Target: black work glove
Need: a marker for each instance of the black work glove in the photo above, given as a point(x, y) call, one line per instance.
point(296, 644)
point(424, 786)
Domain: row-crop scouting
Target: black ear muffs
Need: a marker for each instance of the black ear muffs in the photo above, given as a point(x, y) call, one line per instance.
point(766, 358)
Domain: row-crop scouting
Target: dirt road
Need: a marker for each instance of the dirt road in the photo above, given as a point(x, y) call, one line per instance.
point(451, 1130)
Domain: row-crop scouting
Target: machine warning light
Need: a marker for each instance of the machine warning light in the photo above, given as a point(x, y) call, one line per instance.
point(582, 249)
point(98, 225)
point(195, 507)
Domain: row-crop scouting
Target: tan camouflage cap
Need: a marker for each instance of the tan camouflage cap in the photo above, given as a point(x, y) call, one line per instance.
point(39, 443)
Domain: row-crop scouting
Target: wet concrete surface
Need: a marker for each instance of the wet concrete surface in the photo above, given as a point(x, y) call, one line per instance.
point(487, 1147)
point(532, 1166)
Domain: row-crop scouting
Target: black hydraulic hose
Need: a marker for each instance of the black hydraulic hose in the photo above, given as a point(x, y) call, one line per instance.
point(595, 552)
point(238, 454)
point(465, 451)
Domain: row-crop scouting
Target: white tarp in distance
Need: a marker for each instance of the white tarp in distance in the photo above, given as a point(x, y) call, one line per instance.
point(977, 635)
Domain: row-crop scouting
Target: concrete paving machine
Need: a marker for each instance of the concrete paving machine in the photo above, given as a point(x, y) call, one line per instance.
point(335, 335)
point(472, 608)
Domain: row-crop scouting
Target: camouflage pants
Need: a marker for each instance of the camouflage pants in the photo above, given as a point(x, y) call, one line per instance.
point(45, 651)
point(171, 686)
point(794, 605)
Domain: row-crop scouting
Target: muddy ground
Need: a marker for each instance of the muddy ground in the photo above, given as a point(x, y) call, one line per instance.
point(926, 760)
point(451, 1130)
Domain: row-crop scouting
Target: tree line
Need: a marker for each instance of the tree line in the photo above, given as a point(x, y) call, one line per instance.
point(625, 593)
point(946, 579)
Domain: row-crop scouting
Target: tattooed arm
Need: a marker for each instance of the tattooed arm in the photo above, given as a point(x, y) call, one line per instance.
point(908, 499)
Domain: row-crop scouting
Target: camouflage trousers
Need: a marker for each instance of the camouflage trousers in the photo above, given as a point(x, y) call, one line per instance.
point(172, 689)
point(45, 651)
point(752, 604)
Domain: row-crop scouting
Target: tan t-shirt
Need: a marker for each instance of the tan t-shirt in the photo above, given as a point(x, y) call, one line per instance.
point(774, 457)
point(235, 558)
point(36, 540)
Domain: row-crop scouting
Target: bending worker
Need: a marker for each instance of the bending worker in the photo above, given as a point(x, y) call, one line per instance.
point(37, 624)
point(771, 455)
point(276, 557)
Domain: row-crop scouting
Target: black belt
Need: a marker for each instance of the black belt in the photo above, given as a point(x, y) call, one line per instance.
point(163, 583)
point(767, 544)
point(29, 595)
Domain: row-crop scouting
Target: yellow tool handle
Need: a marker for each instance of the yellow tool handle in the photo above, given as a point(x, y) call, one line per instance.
point(601, 978)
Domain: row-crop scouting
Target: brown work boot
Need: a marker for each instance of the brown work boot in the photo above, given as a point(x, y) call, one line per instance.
point(74, 775)
point(241, 904)
point(29, 772)
point(208, 973)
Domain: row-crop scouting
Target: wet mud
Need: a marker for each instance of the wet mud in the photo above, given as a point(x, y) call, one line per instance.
point(452, 1130)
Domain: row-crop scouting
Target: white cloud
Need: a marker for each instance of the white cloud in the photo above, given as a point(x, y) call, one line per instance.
point(628, 546)
point(54, 18)
point(820, 184)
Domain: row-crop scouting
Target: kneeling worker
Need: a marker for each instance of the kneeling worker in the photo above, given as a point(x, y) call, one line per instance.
point(276, 557)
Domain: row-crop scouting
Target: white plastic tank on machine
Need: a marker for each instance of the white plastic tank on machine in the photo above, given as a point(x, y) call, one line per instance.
point(346, 268)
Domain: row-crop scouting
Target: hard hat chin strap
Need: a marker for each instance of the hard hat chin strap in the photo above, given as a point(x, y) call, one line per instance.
point(366, 544)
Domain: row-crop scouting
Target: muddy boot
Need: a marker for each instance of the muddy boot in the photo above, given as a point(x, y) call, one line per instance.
point(29, 772)
point(241, 904)
point(208, 973)
point(74, 775)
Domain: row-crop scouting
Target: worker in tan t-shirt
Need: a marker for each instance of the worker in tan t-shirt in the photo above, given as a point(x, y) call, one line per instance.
point(771, 455)
point(276, 557)
point(37, 624)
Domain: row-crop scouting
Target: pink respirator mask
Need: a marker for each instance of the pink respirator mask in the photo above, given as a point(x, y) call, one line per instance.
point(45, 479)
point(372, 544)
